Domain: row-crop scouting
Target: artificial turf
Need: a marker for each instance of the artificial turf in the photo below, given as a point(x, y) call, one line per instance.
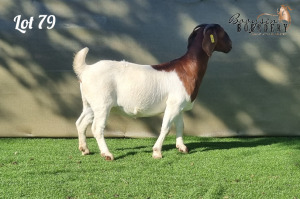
point(214, 168)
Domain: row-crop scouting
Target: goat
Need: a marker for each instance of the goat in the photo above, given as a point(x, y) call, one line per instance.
point(282, 13)
point(145, 90)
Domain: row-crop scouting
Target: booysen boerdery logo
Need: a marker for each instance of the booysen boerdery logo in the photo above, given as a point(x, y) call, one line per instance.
point(265, 23)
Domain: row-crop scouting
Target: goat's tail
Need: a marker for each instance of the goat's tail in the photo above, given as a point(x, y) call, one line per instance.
point(79, 61)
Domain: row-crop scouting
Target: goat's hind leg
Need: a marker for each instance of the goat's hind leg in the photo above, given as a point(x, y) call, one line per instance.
point(82, 123)
point(98, 126)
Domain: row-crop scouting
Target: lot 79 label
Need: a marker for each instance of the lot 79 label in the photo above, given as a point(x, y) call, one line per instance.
point(23, 24)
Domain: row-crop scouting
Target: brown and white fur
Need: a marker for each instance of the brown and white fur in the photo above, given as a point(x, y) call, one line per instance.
point(146, 90)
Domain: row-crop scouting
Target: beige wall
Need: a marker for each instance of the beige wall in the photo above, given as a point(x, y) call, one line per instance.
point(253, 90)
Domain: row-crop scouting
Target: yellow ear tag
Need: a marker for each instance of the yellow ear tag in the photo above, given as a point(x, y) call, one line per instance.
point(212, 39)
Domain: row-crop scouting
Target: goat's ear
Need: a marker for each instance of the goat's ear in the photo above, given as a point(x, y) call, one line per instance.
point(209, 41)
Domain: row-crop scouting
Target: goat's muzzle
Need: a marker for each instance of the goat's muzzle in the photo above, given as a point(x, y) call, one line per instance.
point(227, 44)
point(229, 47)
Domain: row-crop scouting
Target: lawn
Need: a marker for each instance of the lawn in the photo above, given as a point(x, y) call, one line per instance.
point(214, 168)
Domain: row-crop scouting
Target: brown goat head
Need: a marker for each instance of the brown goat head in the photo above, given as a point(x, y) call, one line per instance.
point(214, 38)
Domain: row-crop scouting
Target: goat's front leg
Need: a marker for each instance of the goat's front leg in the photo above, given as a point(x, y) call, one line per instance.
point(171, 112)
point(179, 134)
point(98, 131)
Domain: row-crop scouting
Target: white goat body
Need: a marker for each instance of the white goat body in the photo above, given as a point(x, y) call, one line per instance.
point(137, 90)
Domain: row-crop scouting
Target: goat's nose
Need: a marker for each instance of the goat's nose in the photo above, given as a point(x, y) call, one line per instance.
point(229, 47)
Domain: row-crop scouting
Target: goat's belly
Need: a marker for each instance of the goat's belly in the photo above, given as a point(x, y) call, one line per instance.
point(138, 110)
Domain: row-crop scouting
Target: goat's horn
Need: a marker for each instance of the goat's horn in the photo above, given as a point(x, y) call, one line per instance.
point(199, 26)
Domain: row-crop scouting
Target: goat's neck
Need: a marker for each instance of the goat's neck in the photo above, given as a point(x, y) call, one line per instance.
point(192, 69)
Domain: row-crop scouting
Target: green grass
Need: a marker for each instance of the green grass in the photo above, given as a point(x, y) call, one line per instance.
point(214, 168)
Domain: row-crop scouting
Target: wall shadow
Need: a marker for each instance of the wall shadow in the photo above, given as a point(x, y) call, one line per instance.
point(253, 90)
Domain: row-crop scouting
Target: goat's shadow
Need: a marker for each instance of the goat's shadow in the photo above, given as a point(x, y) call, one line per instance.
point(133, 151)
point(209, 145)
point(203, 146)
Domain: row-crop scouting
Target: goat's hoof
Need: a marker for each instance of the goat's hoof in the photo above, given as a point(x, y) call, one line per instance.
point(84, 150)
point(107, 156)
point(182, 149)
point(156, 155)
